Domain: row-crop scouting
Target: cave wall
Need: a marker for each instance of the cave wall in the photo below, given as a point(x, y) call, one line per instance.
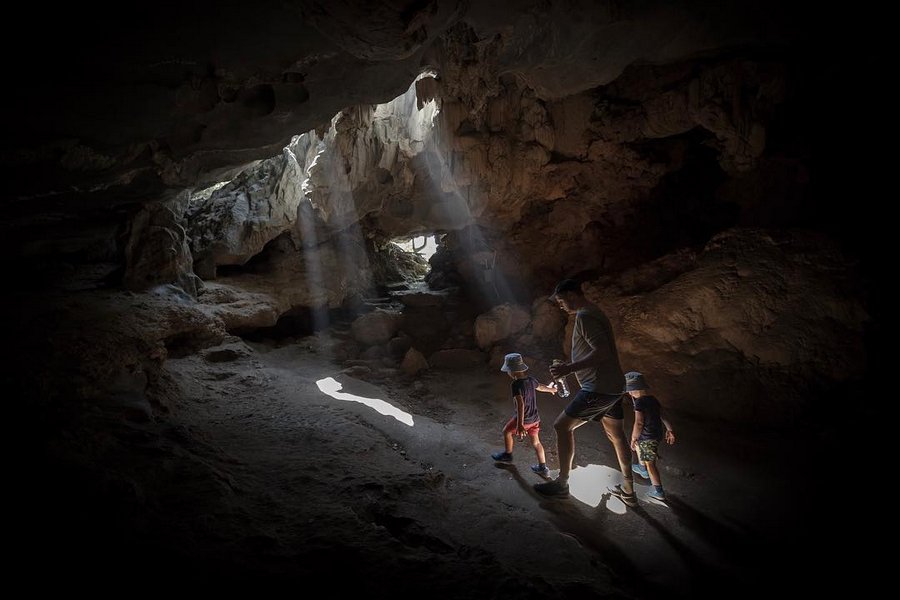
point(555, 139)
point(760, 326)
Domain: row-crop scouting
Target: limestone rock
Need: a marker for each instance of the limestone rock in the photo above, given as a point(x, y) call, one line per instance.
point(372, 353)
point(751, 332)
point(157, 250)
point(548, 320)
point(456, 358)
point(376, 327)
point(233, 223)
point(500, 323)
point(398, 346)
point(495, 359)
point(107, 348)
point(288, 276)
point(421, 298)
point(239, 309)
point(413, 362)
point(383, 31)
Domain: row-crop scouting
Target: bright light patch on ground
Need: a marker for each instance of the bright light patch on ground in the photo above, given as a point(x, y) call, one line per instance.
point(588, 484)
point(332, 388)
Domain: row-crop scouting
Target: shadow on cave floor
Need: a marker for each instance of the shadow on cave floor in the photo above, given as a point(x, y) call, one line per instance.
point(258, 480)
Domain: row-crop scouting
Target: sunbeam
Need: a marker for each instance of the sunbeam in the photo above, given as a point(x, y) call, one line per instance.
point(306, 221)
point(488, 279)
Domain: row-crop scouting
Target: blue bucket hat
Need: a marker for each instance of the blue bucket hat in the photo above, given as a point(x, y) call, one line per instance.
point(514, 363)
point(634, 382)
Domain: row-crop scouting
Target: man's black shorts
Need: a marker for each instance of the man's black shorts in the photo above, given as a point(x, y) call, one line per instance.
point(589, 406)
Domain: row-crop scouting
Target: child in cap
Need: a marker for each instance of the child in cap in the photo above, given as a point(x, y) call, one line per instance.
point(526, 419)
point(650, 428)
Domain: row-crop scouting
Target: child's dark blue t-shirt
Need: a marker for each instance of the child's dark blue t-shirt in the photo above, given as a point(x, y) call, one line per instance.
point(653, 425)
point(526, 388)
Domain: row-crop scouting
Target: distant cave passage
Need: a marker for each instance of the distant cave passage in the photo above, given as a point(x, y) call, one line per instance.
point(407, 259)
point(423, 245)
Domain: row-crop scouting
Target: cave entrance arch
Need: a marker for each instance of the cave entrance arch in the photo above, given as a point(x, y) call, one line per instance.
point(416, 249)
point(424, 245)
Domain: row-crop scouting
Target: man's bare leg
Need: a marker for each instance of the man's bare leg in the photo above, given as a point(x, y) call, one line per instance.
point(565, 427)
point(615, 431)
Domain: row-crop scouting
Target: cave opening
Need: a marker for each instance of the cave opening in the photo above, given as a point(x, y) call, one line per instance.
point(424, 245)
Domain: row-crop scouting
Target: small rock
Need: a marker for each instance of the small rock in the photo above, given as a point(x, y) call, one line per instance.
point(414, 362)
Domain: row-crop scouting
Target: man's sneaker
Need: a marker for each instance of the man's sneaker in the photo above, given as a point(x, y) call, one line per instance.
point(542, 471)
point(661, 496)
point(553, 489)
point(618, 492)
point(502, 456)
point(640, 470)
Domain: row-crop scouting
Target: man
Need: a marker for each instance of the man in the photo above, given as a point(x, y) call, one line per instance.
point(595, 363)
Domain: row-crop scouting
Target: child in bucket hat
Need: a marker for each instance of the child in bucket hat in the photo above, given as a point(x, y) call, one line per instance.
point(526, 419)
point(650, 428)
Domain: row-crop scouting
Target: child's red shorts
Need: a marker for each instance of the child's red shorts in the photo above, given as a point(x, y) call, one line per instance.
point(530, 428)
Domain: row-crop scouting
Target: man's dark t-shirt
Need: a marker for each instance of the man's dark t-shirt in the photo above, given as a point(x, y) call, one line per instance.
point(526, 388)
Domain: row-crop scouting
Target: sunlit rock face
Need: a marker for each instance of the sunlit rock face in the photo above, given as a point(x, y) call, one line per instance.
point(232, 223)
point(570, 181)
point(372, 166)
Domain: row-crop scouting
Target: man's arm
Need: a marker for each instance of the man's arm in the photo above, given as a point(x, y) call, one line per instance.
point(591, 360)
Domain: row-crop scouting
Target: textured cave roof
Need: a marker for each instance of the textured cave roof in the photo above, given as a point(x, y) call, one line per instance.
point(155, 98)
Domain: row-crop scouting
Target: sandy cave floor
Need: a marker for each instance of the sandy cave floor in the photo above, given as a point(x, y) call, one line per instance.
point(275, 483)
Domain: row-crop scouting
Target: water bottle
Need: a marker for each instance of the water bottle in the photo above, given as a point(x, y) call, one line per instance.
point(562, 390)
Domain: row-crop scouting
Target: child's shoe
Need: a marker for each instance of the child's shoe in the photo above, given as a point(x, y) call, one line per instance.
point(502, 456)
point(661, 496)
point(640, 470)
point(541, 470)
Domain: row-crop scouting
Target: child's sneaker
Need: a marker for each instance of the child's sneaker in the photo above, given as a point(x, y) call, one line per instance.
point(640, 470)
point(661, 496)
point(543, 471)
point(627, 499)
point(502, 456)
point(554, 489)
